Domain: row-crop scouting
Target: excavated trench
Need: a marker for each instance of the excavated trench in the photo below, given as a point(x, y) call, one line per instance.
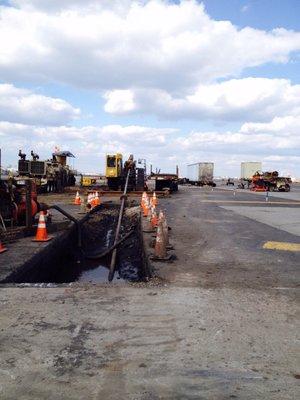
point(63, 262)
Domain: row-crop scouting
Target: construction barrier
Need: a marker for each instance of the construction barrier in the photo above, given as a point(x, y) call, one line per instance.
point(77, 200)
point(41, 233)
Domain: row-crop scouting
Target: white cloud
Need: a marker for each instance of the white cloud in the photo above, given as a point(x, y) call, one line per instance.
point(284, 126)
point(119, 102)
point(164, 148)
point(279, 138)
point(59, 5)
point(88, 142)
point(158, 45)
point(22, 105)
point(259, 99)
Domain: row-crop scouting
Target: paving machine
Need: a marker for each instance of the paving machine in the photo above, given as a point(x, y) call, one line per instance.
point(51, 175)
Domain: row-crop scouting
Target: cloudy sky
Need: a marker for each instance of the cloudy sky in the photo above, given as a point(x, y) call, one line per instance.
point(173, 82)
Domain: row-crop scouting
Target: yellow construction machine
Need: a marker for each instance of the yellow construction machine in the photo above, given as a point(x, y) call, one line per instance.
point(114, 170)
point(116, 173)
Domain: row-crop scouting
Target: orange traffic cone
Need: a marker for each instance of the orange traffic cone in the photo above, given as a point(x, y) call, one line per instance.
point(165, 228)
point(41, 233)
point(97, 199)
point(154, 199)
point(146, 209)
point(94, 200)
point(2, 248)
point(154, 219)
point(144, 198)
point(148, 226)
point(77, 200)
point(160, 250)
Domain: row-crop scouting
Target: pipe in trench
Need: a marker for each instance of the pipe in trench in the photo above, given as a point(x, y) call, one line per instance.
point(114, 254)
point(71, 218)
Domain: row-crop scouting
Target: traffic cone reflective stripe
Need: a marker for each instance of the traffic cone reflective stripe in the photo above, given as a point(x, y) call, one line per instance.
point(162, 218)
point(149, 225)
point(154, 199)
point(165, 229)
point(41, 233)
point(154, 219)
point(144, 198)
point(2, 248)
point(77, 200)
point(146, 209)
point(93, 200)
point(160, 250)
point(98, 201)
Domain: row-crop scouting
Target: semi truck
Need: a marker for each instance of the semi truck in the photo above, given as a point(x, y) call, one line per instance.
point(248, 169)
point(201, 173)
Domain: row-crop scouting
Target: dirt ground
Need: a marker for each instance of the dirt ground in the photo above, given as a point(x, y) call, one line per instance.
point(223, 324)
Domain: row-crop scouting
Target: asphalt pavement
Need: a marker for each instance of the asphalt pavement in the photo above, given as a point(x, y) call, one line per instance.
point(222, 323)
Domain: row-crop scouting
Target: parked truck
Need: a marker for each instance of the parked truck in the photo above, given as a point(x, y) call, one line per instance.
point(165, 181)
point(201, 173)
point(248, 169)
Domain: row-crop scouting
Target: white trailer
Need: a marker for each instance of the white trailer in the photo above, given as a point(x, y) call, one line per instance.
point(248, 169)
point(201, 173)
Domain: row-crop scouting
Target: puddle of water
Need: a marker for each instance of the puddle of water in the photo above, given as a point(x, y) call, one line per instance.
point(109, 238)
point(97, 274)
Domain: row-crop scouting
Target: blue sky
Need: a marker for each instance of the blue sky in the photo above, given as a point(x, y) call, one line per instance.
point(260, 14)
point(172, 82)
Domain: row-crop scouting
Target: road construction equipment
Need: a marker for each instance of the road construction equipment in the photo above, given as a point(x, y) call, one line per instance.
point(18, 200)
point(114, 170)
point(51, 175)
point(270, 181)
point(116, 173)
point(92, 181)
